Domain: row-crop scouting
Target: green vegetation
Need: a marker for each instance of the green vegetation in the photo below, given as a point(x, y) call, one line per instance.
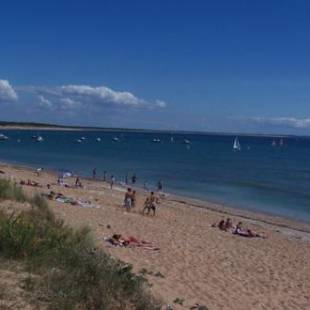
point(66, 271)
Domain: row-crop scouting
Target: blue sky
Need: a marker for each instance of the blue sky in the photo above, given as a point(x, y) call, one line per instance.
point(193, 65)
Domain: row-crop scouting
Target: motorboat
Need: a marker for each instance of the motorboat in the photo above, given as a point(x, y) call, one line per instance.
point(3, 137)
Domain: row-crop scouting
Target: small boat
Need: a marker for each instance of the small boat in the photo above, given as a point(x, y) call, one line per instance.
point(115, 139)
point(98, 139)
point(185, 141)
point(156, 140)
point(281, 142)
point(171, 139)
point(39, 139)
point(3, 137)
point(236, 145)
point(83, 138)
point(78, 140)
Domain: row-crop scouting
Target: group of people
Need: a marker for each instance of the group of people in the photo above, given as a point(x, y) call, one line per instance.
point(227, 225)
point(128, 179)
point(149, 205)
point(30, 183)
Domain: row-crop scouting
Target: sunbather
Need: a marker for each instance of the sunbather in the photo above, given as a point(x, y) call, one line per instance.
point(246, 232)
point(119, 240)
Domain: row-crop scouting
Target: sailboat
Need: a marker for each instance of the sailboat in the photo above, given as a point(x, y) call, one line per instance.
point(236, 146)
point(274, 143)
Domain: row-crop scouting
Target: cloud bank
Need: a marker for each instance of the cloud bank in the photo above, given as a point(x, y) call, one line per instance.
point(79, 96)
point(290, 122)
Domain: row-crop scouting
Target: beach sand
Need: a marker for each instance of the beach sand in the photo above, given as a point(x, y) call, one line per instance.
point(196, 263)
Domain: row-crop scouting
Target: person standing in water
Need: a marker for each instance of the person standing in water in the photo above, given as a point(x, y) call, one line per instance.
point(112, 181)
point(94, 173)
point(159, 186)
point(134, 179)
point(104, 176)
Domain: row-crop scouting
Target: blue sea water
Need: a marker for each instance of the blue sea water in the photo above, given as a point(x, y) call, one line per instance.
point(260, 177)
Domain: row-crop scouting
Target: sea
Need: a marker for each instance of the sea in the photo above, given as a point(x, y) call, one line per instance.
point(267, 175)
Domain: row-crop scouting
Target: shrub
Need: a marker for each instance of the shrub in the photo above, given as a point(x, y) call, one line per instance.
point(11, 191)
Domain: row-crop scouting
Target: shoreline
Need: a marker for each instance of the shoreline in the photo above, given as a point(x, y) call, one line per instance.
point(225, 210)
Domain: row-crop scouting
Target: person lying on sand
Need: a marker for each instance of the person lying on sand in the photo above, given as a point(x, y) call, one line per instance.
point(246, 232)
point(30, 183)
point(119, 240)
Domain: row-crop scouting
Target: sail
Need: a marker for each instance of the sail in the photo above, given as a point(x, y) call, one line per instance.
point(236, 146)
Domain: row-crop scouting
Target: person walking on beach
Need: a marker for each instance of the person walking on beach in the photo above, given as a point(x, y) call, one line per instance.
point(128, 199)
point(133, 199)
point(78, 182)
point(150, 204)
point(126, 178)
point(112, 181)
point(104, 176)
point(94, 173)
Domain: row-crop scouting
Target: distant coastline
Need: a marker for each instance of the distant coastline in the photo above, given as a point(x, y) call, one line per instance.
point(6, 125)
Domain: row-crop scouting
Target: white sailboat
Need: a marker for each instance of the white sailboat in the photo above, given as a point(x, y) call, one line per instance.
point(236, 146)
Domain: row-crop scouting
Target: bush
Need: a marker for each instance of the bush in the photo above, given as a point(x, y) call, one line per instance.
point(11, 191)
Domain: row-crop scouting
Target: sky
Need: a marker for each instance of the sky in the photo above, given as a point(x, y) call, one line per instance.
point(228, 66)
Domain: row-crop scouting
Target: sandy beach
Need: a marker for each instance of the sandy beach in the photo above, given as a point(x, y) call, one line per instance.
point(196, 263)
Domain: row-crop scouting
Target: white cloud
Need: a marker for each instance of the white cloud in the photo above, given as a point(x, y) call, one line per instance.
point(78, 96)
point(101, 95)
point(44, 103)
point(291, 122)
point(7, 93)
point(67, 103)
point(160, 103)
